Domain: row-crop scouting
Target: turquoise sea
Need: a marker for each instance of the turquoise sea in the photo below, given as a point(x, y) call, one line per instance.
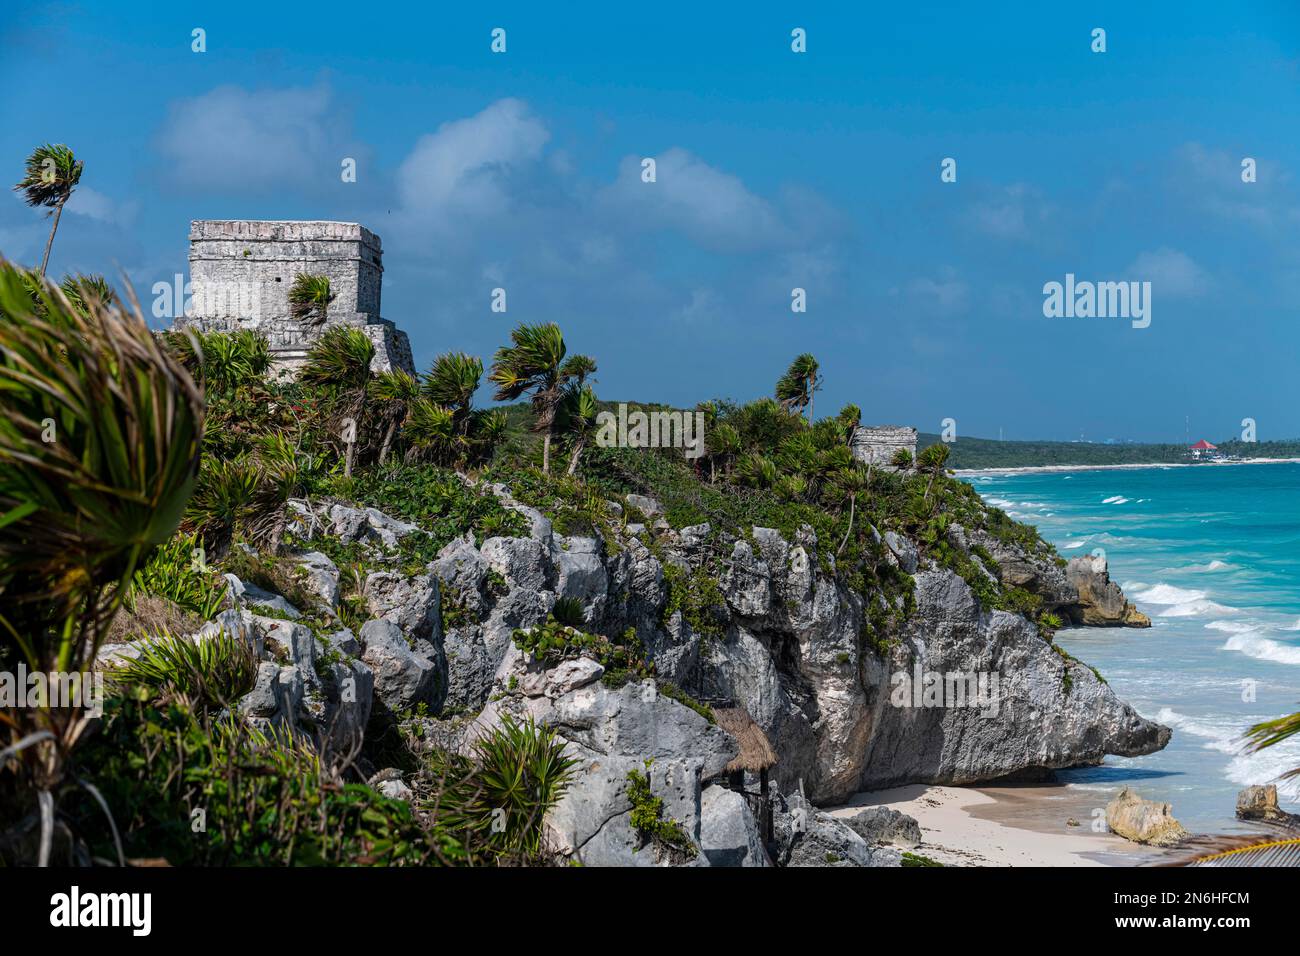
point(1212, 554)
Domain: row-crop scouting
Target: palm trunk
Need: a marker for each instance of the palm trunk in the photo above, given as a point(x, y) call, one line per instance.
point(546, 452)
point(853, 501)
point(58, 212)
point(577, 451)
point(347, 459)
point(388, 440)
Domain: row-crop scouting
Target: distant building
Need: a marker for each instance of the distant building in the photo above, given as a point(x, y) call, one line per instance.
point(241, 272)
point(877, 444)
point(1203, 449)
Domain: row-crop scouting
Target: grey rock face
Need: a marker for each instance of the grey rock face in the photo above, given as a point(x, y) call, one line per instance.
point(808, 837)
point(402, 677)
point(320, 576)
point(250, 595)
point(879, 825)
point(729, 834)
point(412, 604)
point(1046, 712)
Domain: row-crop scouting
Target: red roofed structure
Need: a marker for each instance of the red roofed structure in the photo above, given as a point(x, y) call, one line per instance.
point(1202, 448)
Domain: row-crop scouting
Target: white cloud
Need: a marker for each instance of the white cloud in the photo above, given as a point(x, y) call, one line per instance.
point(236, 140)
point(713, 208)
point(95, 205)
point(1012, 212)
point(1170, 272)
point(463, 167)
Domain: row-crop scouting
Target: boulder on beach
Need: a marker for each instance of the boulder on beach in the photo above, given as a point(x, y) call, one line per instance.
point(1143, 821)
point(1260, 803)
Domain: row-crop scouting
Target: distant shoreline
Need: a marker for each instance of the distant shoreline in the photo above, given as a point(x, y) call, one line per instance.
point(1025, 469)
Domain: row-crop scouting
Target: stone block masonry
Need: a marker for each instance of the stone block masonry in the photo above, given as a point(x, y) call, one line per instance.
point(241, 272)
point(877, 444)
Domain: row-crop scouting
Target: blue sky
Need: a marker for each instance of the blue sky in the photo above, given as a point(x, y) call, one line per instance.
point(775, 170)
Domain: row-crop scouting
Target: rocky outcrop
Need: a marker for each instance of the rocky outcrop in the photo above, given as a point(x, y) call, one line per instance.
point(1143, 821)
point(957, 694)
point(613, 733)
point(1080, 592)
point(884, 825)
point(1259, 803)
point(1101, 602)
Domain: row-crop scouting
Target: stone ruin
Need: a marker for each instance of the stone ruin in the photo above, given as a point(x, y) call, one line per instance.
point(241, 272)
point(877, 444)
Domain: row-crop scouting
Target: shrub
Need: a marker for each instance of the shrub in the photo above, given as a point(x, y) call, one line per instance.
point(494, 799)
point(82, 513)
point(211, 672)
point(174, 574)
point(668, 836)
point(264, 798)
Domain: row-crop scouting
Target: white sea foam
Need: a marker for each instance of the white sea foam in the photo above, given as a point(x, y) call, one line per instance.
point(1115, 500)
point(1167, 594)
point(1196, 609)
point(1076, 543)
point(1252, 644)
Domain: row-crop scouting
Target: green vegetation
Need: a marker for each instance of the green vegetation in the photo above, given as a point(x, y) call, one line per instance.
point(51, 174)
point(212, 673)
point(666, 835)
point(980, 453)
point(916, 859)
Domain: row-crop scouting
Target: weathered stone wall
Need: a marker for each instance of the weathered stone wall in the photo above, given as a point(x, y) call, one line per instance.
point(241, 272)
point(877, 444)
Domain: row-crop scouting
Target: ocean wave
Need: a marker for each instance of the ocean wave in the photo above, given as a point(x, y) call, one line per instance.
point(1115, 500)
point(1197, 608)
point(1261, 648)
point(1167, 594)
point(1225, 735)
point(1071, 545)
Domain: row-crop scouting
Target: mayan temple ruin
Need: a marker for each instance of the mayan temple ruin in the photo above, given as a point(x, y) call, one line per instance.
point(877, 444)
point(241, 272)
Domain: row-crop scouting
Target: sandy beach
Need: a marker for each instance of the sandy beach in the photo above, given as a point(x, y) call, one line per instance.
point(970, 472)
point(1005, 826)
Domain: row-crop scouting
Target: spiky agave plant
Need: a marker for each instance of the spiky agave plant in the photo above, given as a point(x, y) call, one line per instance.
point(49, 177)
point(99, 451)
point(310, 298)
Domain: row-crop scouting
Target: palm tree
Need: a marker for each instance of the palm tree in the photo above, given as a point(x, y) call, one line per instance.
point(849, 483)
point(932, 459)
point(902, 460)
point(795, 389)
point(310, 297)
point(52, 173)
point(725, 444)
point(452, 381)
point(533, 364)
point(392, 392)
point(578, 418)
point(339, 362)
point(850, 417)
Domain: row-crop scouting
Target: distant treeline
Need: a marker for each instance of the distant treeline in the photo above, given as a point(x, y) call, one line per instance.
point(990, 453)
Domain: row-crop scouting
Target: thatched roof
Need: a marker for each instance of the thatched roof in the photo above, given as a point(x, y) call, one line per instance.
point(755, 752)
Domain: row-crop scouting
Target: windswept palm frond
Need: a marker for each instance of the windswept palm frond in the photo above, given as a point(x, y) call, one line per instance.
point(453, 380)
point(340, 357)
point(310, 298)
